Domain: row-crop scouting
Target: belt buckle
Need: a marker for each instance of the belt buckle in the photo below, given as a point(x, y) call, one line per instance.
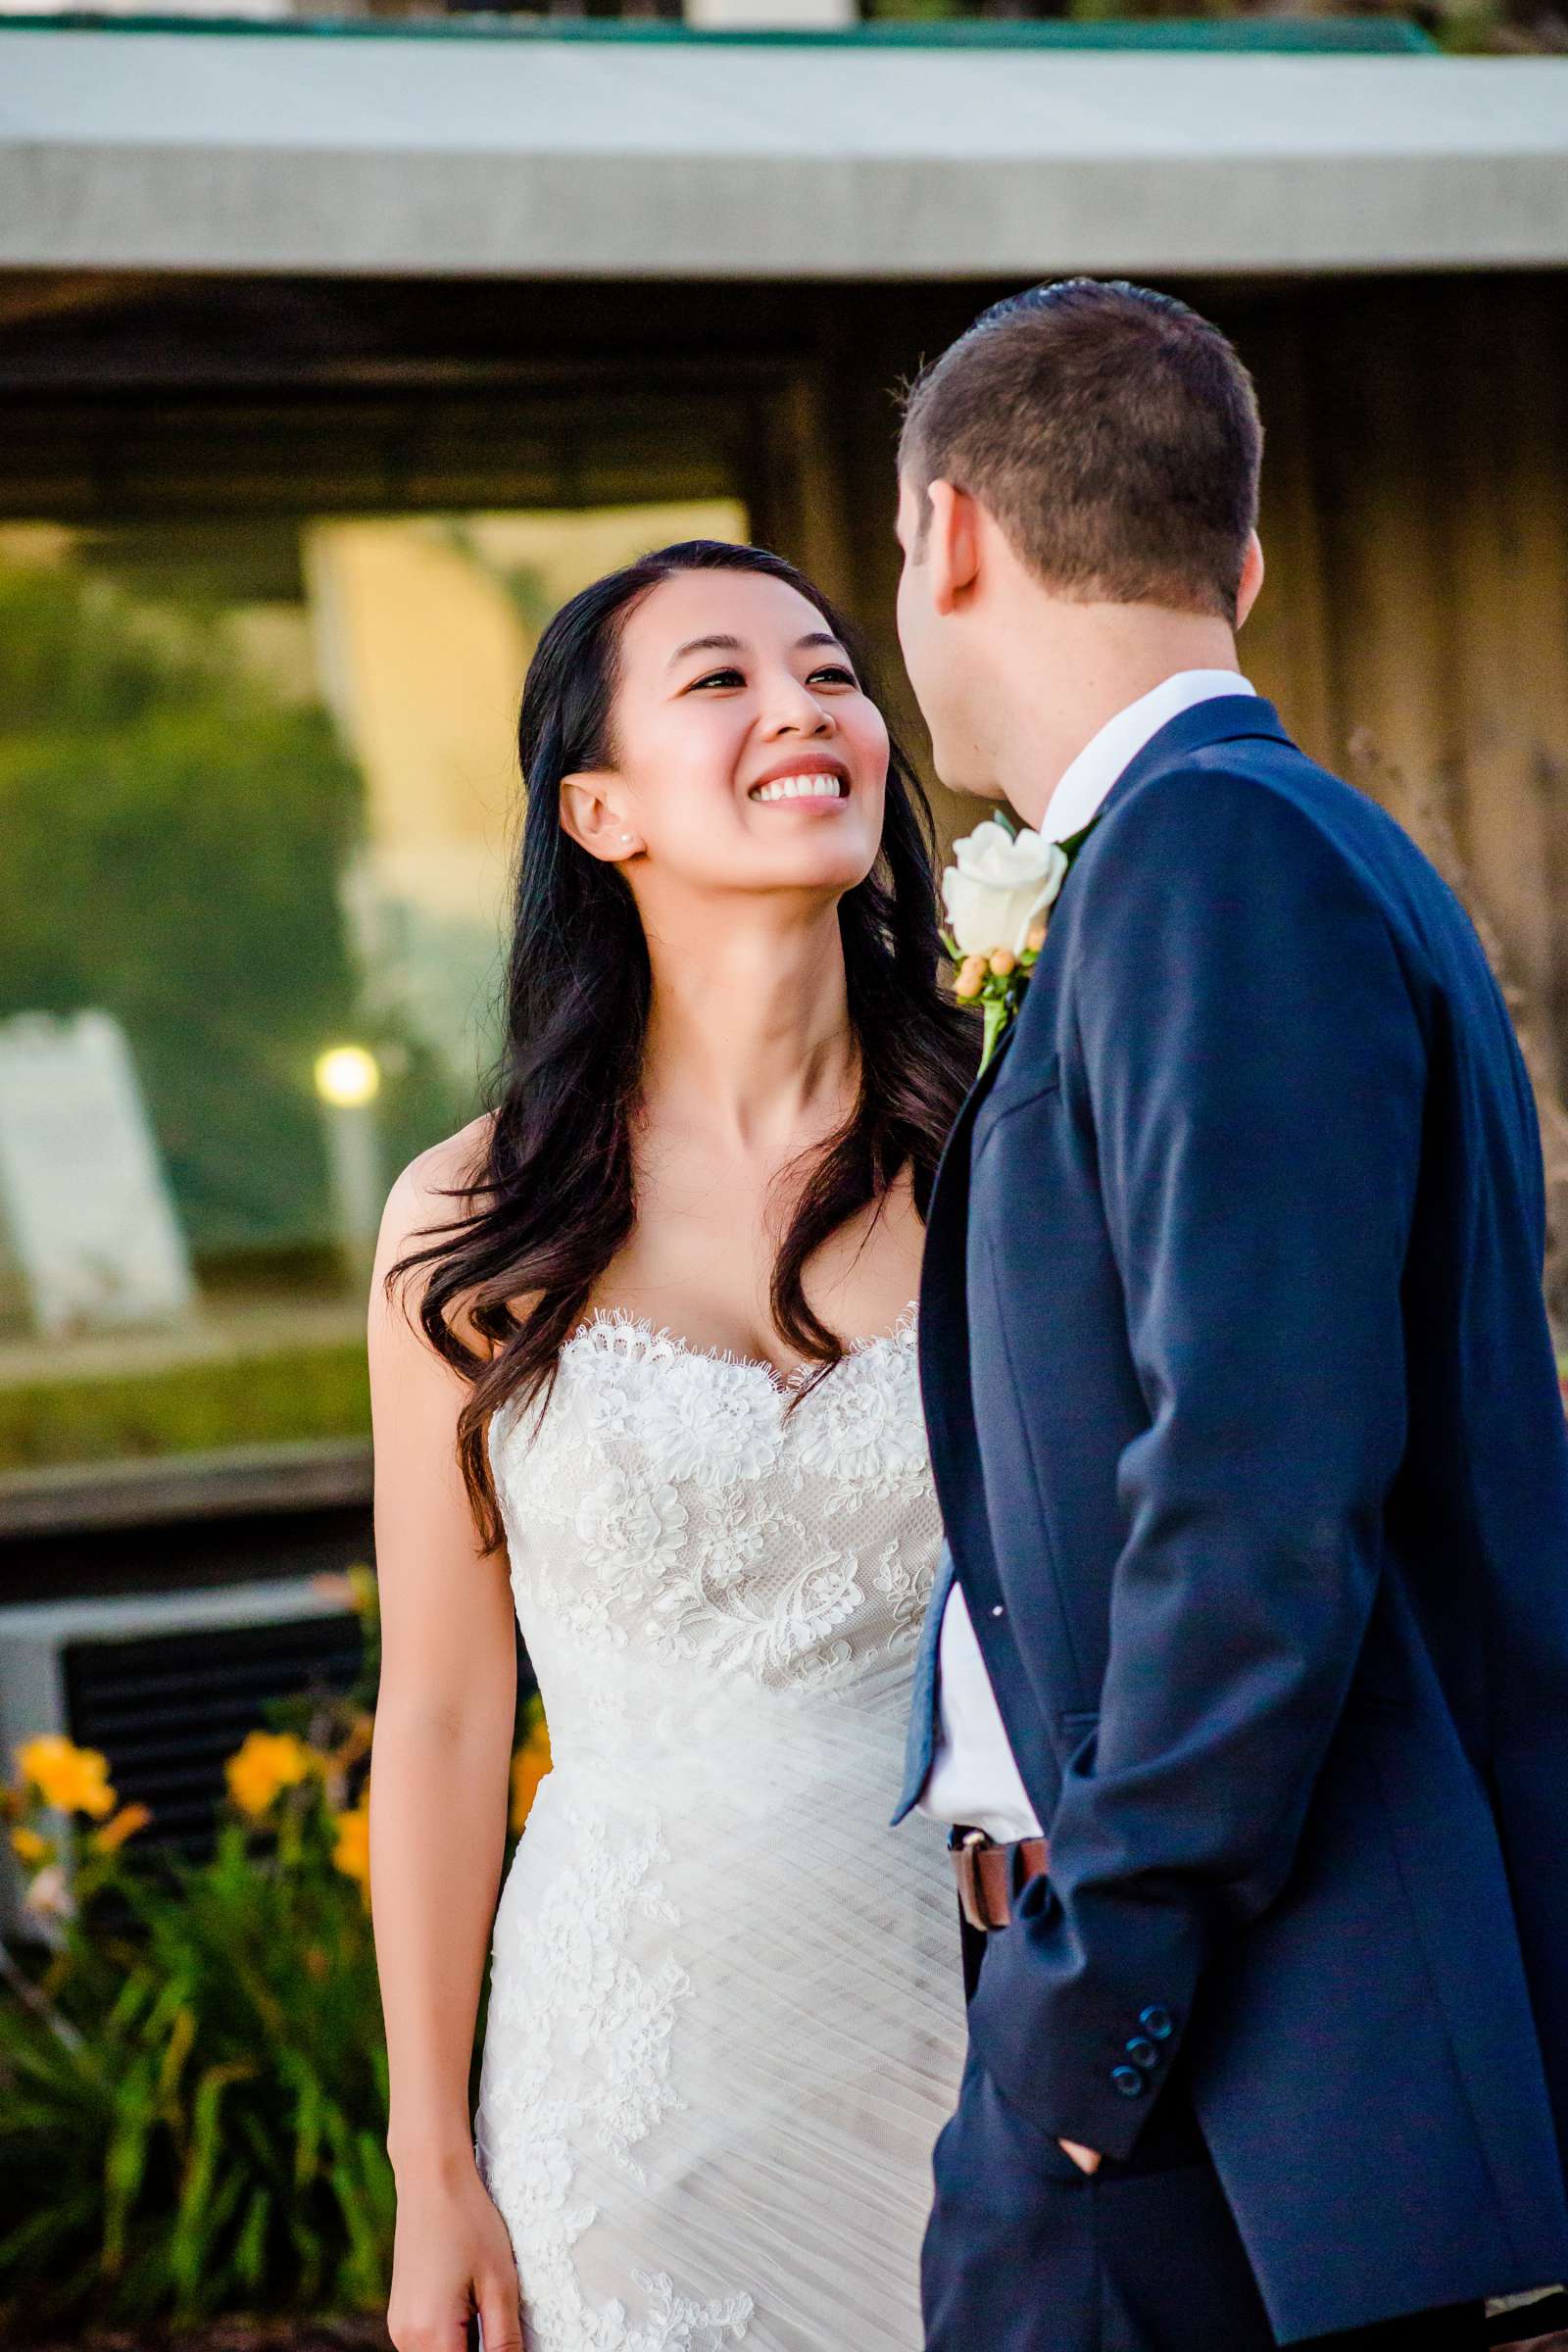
point(967, 1845)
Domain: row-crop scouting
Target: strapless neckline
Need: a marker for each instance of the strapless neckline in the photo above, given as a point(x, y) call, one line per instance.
point(616, 1328)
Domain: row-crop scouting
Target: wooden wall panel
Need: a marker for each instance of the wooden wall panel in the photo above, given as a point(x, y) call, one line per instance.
point(1422, 433)
point(1416, 520)
point(1287, 649)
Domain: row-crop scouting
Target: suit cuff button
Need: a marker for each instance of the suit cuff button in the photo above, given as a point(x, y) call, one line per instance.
point(1128, 2080)
point(1143, 2052)
point(1157, 2023)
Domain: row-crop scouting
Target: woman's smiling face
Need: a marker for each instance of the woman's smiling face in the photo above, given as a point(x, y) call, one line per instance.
point(746, 755)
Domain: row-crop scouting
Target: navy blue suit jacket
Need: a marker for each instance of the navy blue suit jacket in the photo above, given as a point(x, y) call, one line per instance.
point(1249, 1441)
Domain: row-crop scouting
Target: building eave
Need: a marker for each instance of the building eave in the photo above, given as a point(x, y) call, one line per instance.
point(213, 150)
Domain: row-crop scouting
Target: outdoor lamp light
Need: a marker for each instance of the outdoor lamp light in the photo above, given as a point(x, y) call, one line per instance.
point(347, 1076)
point(347, 1079)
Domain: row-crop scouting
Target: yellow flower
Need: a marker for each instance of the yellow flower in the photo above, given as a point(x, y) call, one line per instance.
point(268, 1763)
point(352, 1852)
point(71, 1779)
point(354, 1743)
point(529, 1768)
point(30, 1848)
point(363, 1589)
point(126, 1823)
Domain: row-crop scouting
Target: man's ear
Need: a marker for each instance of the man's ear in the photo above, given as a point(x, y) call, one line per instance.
point(589, 813)
point(953, 544)
point(1251, 579)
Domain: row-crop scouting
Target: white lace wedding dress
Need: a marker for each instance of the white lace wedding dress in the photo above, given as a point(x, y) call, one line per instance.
point(725, 2020)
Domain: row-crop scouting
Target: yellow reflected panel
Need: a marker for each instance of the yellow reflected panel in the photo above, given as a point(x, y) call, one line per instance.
point(423, 630)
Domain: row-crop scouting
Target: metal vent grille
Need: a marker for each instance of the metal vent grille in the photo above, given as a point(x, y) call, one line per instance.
point(167, 1709)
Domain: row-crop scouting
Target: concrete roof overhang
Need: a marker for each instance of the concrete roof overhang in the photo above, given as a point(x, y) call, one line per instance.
point(208, 148)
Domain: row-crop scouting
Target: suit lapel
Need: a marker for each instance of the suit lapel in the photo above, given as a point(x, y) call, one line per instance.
point(944, 1332)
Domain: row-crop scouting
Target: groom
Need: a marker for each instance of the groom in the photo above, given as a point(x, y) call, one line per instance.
point(1252, 1717)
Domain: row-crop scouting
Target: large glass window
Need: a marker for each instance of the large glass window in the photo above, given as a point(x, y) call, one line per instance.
point(257, 799)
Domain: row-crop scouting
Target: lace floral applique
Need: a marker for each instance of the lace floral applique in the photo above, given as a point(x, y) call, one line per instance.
point(862, 1425)
point(587, 1999)
point(712, 1422)
point(631, 1531)
point(675, 2323)
point(907, 1588)
point(775, 1623)
point(703, 1417)
point(737, 1542)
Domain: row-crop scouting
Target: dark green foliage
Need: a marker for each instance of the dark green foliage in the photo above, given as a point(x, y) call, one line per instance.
point(275, 1399)
point(193, 2102)
point(174, 838)
point(171, 836)
point(193, 2081)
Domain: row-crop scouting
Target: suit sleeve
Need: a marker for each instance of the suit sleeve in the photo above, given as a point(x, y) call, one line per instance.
point(1252, 1066)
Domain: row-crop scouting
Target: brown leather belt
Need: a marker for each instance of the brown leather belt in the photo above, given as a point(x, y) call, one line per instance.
point(989, 1875)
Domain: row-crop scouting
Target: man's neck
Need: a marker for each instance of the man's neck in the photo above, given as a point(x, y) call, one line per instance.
point(1068, 676)
point(1090, 779)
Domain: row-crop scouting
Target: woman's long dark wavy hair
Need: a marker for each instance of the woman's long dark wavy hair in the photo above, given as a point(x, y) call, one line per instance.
point(553, 1195)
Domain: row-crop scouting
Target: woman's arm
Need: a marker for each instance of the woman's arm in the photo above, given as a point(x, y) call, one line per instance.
point(438, 1804)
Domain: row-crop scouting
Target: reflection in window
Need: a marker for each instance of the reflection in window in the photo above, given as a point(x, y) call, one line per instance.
point(257, 800)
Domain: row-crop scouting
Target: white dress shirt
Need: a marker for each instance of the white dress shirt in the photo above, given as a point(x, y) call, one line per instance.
point(974, 1777)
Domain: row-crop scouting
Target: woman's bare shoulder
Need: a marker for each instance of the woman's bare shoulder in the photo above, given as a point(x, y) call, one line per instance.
point(437, 1186)
point(425, 1207)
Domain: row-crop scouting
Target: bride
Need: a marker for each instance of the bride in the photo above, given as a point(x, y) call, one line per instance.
point(642, 1357)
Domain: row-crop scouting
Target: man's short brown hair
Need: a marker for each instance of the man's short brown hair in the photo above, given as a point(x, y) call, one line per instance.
point(1114, 434)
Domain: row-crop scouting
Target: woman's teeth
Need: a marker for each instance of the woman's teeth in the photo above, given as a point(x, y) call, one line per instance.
point(801, 788)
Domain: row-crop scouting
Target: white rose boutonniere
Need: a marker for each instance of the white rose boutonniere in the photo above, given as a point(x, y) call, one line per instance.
point(999, 893)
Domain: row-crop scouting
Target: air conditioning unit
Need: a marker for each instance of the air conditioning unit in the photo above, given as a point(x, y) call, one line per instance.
point(166, 1685)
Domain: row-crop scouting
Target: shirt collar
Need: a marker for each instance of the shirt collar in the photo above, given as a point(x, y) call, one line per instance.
point(1084, 785)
